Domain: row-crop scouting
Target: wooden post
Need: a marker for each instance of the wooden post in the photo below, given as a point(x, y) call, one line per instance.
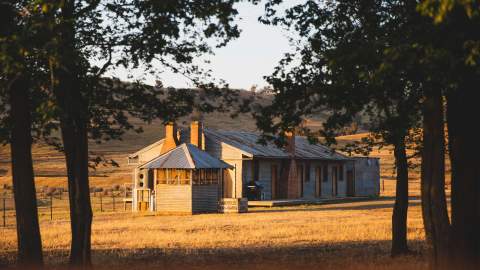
point(113, 199)
point(101, 202)
point(51, 207)
point(4, 211)
point(383, 185)
point(235, 184)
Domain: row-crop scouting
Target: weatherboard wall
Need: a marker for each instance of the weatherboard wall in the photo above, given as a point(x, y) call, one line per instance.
point(367, 176)
point(233, 157)
point(150, 154)
point(173, 198)
point(205, 198)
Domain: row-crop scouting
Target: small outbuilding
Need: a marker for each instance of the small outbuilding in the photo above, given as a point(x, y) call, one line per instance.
point(184, 179)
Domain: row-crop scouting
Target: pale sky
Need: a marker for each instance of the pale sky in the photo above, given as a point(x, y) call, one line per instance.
point(244, 61)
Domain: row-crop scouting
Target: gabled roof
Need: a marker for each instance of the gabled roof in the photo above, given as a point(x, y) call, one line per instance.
point(185, 156)
point(247, 142)
point(146, 148)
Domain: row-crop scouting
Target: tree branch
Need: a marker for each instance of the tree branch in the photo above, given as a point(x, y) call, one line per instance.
point(106, 64)
point(94, 4)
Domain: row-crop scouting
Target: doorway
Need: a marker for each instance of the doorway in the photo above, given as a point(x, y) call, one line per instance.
point(318, 181)
point(274, 182)
point(334, 181)
point(300, 174)
point(350, 184)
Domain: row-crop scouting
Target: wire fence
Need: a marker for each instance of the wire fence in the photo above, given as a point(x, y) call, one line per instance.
point(53, 203)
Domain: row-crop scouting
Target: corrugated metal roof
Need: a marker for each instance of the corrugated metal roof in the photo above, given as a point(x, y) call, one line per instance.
point(185, 156)
point(248, 143)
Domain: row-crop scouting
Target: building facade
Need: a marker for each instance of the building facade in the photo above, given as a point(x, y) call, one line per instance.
point(264, 171)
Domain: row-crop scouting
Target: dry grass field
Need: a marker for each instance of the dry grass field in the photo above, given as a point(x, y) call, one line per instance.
point(345, 235)
point(353, 235)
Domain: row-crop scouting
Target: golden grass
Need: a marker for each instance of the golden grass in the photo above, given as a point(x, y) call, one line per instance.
point(347, 235)
point(331, 236)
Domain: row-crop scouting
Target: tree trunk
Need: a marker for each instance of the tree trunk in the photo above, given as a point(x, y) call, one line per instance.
point(76, 152)
point(399, 217)
point(462, 113)
point(28, 231)
point(434, 204)
point(73, 122)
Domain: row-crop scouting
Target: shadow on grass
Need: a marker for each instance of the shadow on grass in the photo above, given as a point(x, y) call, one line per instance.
point(335, 255)
point(380, 203)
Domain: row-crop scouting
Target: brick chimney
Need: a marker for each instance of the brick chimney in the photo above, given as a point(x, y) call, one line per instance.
point(293, 184)
point(196, 134)
point(290, 147)
point(171, 140)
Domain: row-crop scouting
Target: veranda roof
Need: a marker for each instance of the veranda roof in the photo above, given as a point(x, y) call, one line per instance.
point(185, 156)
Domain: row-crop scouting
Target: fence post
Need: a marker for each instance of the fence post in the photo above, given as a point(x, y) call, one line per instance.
point(101, 205)
point(4, 212)
point(51, 207)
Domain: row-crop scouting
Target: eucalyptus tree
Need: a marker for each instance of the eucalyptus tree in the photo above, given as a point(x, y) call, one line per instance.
point(460, 46)
point(22, 70)
point(130, 34)
point(354, 57)
point(391, 44)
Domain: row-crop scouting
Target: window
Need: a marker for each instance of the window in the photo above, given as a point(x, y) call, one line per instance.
point(205, 176)
point(325, 173)
point(340, 173)
point(173, 176)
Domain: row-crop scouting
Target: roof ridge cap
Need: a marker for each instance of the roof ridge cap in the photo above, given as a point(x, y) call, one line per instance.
point(188, 155)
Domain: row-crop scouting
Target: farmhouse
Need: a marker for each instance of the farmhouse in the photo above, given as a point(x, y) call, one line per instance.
point(198, 170)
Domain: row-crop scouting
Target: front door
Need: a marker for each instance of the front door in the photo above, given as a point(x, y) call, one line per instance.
point(274, 183)
point(318, 181)
point(300, 175)
point(335, 180)
point(350, 184)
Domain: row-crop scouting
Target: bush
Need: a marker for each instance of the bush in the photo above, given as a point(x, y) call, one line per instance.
point(116, 187)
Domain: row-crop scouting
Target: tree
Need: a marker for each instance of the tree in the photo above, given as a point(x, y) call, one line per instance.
point(437, 60)
point(434, 205)
point(90, 107)
point(460, 21)
point(16, 119)
point(357, 57)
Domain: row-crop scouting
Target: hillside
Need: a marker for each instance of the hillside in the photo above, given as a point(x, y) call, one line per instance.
point(49, 164)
